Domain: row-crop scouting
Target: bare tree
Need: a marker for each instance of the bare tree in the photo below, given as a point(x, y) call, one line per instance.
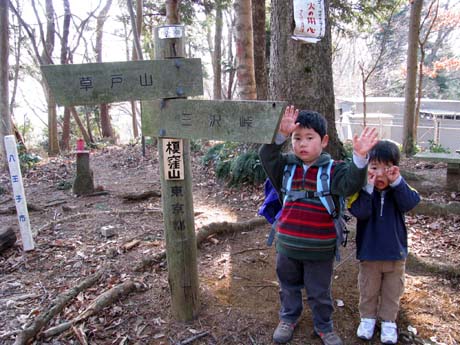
point(367, 72)
point(5, 122)
point(106, 125)
point(260, 61)
point(217, 53)
point(411, 80)
point(431, 17)
point(244, 50)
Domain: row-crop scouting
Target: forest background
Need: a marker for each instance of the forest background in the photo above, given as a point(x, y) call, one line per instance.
point(369, 45)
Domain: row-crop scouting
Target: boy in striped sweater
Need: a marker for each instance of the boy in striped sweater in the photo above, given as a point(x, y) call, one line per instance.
point(306, 237)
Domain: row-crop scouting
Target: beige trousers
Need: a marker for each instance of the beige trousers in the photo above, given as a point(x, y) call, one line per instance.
point(381, 285)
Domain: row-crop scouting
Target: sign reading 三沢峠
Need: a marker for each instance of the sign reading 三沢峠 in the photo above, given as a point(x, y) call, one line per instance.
point(310, 23)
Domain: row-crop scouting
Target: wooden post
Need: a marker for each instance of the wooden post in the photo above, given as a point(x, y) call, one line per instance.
point(176, 186)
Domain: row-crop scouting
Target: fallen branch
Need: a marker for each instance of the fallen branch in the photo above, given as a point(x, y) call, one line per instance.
point(228, 228)
point(192, 339)
point(436, 209)
point(203, 233)
point(102, 301)
point(12, 209)
point(140, 196)
point(56, 307)
point(95, 214)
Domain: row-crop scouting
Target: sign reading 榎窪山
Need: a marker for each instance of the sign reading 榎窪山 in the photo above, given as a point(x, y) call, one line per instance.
point(96, 83)
point(241, 121)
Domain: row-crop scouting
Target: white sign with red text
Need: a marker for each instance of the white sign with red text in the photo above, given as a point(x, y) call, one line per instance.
point(310, 22)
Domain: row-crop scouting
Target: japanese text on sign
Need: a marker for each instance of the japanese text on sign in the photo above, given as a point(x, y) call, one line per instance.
point(18, 191)
point(170, 32)
point(173, 159)
point(309, 17)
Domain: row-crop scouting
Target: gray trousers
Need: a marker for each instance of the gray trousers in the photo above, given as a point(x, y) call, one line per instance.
point(316, 277)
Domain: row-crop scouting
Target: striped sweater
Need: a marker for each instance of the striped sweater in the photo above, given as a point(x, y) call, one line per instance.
point(305, 229)
point(305, 223)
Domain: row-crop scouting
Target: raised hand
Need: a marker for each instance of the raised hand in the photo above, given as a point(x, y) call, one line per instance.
point(287, 124)
point(365, 142)
point(392, 173)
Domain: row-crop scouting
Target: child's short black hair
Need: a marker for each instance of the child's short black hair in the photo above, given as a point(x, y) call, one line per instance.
point(385, 151)
point(313, 120)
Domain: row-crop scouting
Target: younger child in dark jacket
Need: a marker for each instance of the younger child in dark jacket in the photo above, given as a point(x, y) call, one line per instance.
point(381, 241)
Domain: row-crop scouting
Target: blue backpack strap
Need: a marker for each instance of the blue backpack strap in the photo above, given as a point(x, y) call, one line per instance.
point(288, 174)
point(323, 183)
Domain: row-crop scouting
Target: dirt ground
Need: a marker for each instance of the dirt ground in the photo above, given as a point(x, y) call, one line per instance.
point(238, 286)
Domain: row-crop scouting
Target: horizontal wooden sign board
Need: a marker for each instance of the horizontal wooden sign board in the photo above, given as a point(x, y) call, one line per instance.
point(109, 82)
point(241, 121)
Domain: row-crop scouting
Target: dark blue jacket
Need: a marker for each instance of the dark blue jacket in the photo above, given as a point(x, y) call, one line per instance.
point(381, 232)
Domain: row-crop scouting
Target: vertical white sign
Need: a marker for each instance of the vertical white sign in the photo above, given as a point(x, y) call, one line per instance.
point(173, 155)
point(18, 192)
point(310, 21)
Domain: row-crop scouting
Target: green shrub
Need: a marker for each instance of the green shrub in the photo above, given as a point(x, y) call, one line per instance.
point(437, 148)
point(27, 160)
point(235, 164)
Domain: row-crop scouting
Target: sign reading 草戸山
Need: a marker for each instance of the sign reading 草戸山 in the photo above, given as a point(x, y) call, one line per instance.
point(96, 83)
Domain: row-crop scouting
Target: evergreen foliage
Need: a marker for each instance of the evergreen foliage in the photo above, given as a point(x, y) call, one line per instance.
point(235, 164)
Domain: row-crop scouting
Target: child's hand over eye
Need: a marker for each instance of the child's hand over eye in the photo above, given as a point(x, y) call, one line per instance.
point(371, 176)
point(392, 173)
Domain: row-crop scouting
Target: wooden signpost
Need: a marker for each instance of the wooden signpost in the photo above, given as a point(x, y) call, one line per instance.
point(172, 118)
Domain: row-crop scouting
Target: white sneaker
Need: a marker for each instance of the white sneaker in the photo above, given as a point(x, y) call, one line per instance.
point(366, 329)
point(389, 333)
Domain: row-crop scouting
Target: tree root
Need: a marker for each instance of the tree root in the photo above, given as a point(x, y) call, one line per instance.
point(56, 307)
point(203, 233)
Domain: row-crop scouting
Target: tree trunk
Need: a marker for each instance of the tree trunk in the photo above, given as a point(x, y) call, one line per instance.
point(260, 61)
point(172, 14)
point(65, 139)
point(5, 121)
point(137, 51)
point(244, 50)
point(302, 73)
point(53, 141)
point(217, 54)
point(411, 79)
point(230, 60)
point(106, 126)
point(86, 134)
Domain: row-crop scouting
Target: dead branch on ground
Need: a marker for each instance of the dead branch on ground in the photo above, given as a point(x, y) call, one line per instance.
point(140, 196)
point(102, 301)
point(57, 306)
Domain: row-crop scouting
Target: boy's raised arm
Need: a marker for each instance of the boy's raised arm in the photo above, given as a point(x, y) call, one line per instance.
point(365, 142)
point(287, 123)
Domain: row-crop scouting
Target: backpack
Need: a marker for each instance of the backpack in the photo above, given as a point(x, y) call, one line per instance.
point(271, 208)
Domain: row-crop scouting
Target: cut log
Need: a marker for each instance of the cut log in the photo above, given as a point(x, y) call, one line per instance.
point(7, 238)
